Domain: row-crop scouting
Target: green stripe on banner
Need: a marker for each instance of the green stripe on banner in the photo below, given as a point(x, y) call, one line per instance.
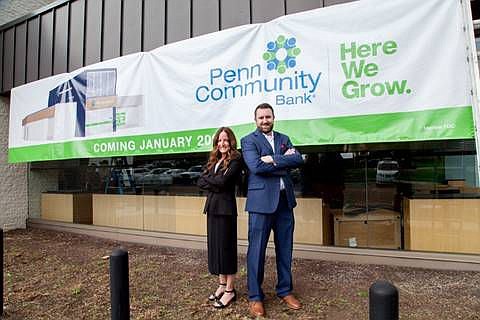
point(438, 124)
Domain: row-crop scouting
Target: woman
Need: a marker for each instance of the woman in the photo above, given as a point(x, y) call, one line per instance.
point(219, 179)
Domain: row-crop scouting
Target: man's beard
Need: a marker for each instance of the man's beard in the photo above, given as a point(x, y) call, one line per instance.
point(270, 129)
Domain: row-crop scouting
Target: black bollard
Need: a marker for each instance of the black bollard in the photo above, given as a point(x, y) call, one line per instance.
point(383, 298)
point(119, 290)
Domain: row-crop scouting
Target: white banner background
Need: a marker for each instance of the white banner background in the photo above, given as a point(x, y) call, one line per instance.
point(418, 43)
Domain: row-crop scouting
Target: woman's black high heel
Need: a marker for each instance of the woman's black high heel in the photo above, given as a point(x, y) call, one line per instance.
point(214, 297)
point(219, 305)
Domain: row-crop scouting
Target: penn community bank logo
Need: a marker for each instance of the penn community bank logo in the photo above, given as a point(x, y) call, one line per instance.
point(280, 76)
point(281, 54)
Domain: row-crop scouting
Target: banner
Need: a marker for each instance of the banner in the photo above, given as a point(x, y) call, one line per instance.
point(362, 72)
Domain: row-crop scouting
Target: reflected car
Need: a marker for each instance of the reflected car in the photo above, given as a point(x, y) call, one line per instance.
point(192, 173)
point(387, 171)
point(174, 173)
point(158, 176)
point(139, 174)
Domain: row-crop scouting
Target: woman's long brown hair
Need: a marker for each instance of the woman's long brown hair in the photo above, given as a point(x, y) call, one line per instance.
point(216, 155)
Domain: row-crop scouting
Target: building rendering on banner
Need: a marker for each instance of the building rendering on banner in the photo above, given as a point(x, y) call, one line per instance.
point(112, 107)
point(84, 106)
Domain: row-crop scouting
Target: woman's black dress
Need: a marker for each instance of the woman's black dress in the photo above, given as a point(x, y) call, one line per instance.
point(221, 210)
point(222, 244)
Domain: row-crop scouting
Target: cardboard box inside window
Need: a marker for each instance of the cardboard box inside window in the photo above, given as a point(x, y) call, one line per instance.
point(377, 229)
point(460, 183)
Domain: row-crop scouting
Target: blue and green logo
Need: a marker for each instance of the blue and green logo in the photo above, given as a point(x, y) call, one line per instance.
point(281, 54)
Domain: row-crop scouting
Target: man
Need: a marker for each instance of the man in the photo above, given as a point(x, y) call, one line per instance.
point(269, 156)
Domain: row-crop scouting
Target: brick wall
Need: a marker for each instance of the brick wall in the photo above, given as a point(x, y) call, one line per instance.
point(13, 186)
point(40, 181)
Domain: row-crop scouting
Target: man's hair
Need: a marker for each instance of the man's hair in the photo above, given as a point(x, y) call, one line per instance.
point(263, 106)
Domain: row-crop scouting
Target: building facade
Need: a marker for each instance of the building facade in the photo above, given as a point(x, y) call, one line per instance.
point(402, 196)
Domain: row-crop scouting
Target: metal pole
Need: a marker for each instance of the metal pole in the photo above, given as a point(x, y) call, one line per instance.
point(119, 287)
point(383, 300)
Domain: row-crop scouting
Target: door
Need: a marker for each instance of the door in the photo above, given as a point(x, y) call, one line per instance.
point(370, 214)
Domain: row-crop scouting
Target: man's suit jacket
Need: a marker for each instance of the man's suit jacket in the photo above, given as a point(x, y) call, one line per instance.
point(264, 178)
point(221, 188)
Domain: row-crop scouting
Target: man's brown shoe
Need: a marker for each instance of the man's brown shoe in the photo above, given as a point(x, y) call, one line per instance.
point(292, 302)
point(256, 308)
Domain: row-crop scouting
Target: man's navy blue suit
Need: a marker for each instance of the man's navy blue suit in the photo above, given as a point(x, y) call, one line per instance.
point(269, 209)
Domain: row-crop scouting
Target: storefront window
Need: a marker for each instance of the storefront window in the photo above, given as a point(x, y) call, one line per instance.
point(399, 196)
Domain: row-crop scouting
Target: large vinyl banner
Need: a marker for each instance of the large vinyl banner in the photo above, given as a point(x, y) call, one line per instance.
point(367, 71)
